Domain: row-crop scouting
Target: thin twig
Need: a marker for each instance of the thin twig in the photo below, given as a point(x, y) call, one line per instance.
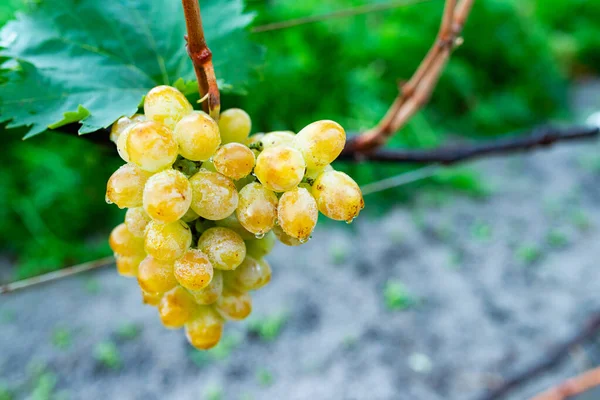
point(540, 137)
point(54, 275)
point(550, 361)
point(415, 93)
point(201, 57)
point(349, 12)
point(573, 386)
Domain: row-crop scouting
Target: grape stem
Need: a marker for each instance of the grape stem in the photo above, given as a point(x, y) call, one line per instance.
point(201, 57)
point(415, 93)
point(543, 136)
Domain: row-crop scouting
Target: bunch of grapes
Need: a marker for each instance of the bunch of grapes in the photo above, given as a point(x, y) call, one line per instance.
point(206, 203)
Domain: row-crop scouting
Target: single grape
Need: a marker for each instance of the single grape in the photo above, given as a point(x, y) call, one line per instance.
point(123, 123)
point(190, 216)
point(167, 196)
point(211, 293)
point(167, 242)
point(209, 166)
point(234, 160)
point(257, 210)
point(285, 238)
point(176, 307)
point(136, 221)
point(128, 265)
point(297, 213)
point(155, 276)
point(205, 329)
point(338, 196)
point(124, 243)
point(214, 196)
point(258, 248)
point(122, 142)
point(225, 248)
point(277, 138)
point(233, 304)
point(125, 187)
point(255, 139)
point(280, 168)
point(234, 224)
point(198, 136)
point(151, 299)
point(252, 274)
point(166, 105)
point(234, 125)
point(194, 270)
point(151, 146)
point(320, 143)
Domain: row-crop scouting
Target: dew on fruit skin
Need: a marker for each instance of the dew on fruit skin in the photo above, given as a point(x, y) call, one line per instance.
point(107, 200)
point(259, 235)
point(304, 240)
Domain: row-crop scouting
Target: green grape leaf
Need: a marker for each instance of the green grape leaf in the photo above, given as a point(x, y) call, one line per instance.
point(92, 61)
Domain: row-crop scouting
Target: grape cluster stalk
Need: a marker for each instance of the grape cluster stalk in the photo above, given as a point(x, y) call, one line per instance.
point(206, 203)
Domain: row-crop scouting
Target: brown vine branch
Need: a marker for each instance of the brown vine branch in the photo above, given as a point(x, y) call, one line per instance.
point(551, 360)
point(201, 57)
point(415, 93)
point(540, 137)
point(572, 387)
point(54, 275)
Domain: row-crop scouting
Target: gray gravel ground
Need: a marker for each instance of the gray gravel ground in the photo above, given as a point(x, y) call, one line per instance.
point(492, 284)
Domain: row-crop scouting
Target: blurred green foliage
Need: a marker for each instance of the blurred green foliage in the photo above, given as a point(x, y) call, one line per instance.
point(512, 72)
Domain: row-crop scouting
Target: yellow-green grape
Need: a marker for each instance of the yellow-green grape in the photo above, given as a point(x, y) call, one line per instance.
point(198, 136)
point(124, 243)
point(151, 146)
point(257, 210)
point(252, 274)
point(234, 125)
point(194, 270)
point(209, 166)
point(277, 138)
point(190, 216)
point(125, 187)
point(285, 238)
point(213, 195)
point(155, 276)
point(297, 213)
point(123, 123)
point(211, 293)
point(136, 221)
point(152, 299)
point(176, 307)
point(338, 196)
point(233, 304)
point(225, 248)
point(258, 248)
point(167, 242)
point(234, 224)
point(166, 105)
point(320, 143)
point(128, 265)
point(122, 143)
point(167, 196)
point(234, 160)
point(280, 168)
point(205, 329)
point(254, 139)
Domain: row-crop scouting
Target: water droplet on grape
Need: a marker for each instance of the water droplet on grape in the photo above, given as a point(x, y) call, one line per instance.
point(259, 235)
point(350, 221)
point(303, 240)
point(107, 200)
